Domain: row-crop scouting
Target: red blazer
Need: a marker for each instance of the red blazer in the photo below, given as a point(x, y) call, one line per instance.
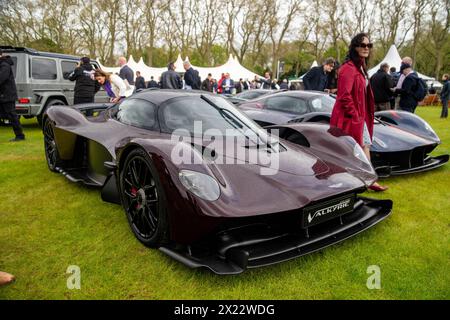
point(354, 103)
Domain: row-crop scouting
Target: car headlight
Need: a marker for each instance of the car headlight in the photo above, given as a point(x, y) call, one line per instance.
point(202, 185)
point(367, 174)
point(379, 142)
point(358, 152)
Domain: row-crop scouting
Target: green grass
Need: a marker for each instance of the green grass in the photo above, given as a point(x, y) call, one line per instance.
point(48, 223)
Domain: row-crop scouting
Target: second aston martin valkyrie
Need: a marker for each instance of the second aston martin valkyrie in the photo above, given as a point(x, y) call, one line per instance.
point(402, 141)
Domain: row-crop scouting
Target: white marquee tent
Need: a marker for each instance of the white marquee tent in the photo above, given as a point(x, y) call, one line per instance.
point(314, 64)
point(232, 66)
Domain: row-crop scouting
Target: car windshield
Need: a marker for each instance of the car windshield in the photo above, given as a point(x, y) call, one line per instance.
point(323, 103)
point(287, 103)
point(207, 115)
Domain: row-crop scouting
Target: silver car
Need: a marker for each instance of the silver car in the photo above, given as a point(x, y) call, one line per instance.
point(42, 80)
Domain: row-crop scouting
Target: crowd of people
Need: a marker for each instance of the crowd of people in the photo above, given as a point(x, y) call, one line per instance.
point(191, 80)
point(391, 89)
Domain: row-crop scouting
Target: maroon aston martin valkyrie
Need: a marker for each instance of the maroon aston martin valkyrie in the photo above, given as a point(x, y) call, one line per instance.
point(160, 154)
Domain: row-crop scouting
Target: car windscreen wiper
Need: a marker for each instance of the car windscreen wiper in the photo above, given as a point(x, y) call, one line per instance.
point(228, 117)
point(231, 118)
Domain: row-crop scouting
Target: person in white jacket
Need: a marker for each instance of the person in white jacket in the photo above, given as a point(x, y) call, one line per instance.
point(116, 88)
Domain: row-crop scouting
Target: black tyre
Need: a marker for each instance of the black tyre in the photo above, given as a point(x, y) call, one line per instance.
point(143, 199)
point(51, 150)
point(51, 102)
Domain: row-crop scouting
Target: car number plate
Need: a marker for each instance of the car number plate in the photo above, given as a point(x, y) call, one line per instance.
point(327, 210)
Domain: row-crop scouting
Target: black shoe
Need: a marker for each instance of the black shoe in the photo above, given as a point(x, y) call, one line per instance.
point(16, 139)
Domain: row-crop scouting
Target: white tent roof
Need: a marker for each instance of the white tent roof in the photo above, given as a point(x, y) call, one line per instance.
point(314, 64)
point(108, 69)
point(232, 66)
point(394, 60)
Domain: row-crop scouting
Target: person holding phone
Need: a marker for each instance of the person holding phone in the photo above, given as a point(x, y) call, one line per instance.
point(227, 84)
point(85, 85)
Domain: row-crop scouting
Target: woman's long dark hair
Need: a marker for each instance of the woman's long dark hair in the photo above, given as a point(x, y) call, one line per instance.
point(353, 55)
point(101, 73)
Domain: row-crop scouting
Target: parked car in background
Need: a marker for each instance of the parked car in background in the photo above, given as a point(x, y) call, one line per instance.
point(42, 80)
point(248, 95)
point(402, 141)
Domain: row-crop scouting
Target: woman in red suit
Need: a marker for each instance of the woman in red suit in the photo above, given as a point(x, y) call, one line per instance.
point(353, 111)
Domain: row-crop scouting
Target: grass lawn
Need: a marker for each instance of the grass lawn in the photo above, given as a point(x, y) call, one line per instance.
point(48, 224)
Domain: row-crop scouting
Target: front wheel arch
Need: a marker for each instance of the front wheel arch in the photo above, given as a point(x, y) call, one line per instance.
point(148, 187)
point(51, 101)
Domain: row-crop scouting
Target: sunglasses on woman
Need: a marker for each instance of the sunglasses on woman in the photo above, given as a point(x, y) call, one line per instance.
point(366, 45)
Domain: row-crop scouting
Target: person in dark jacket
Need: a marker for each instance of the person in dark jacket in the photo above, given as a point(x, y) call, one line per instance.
point(191, 77)
point(140, 81)
point(152, 83)
point(207, 84)
point(394, 76)
point(445, 95)
point(409, 84)
point(332, 79)
point(85, 85)
point(284, 85)
point(382, 84)
point(170, 79)
point(125, 71)
point(8, 96)
point(266, 82)
point(246, 84)
point(227, 84)
point(239, 86)
point(317, 78)
point(215, 85)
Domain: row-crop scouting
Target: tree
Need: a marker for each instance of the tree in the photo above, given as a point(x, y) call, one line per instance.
point(392, 17)
point(333, 14)
point(208, 15)
point(360, 17)
point(153, 13)
point(233, 10)
point(112, 11)
point(279, 26)
point(91, 24)
point(418, 11)
point(438, 30)
point(133, 25)
point(181, 12)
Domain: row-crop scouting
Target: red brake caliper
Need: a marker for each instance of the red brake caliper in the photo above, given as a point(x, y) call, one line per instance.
point(134, 193)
